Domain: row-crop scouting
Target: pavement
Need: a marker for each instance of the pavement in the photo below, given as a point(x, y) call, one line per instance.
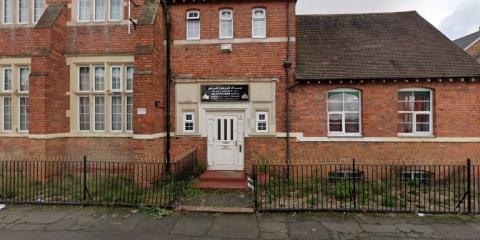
point(64, 222)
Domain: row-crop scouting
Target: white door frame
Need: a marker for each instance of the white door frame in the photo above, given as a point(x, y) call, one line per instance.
point(237, 146)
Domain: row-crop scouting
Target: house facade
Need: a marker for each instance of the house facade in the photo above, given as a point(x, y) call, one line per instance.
point(471, 44)
point(241, 81)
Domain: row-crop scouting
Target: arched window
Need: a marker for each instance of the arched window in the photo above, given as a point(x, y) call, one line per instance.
point(226, 23)
point(415, 111)
point(193, 25)
point(344, 109)
point(259, 23)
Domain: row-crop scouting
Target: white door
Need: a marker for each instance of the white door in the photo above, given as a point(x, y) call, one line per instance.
point(225, 141)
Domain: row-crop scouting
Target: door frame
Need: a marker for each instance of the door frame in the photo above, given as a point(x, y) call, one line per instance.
point(241, 128)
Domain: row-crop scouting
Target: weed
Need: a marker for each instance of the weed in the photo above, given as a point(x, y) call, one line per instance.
point(156, 212)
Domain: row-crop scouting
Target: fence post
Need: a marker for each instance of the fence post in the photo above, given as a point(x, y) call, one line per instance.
point(469, 186)
point(254, 175)
point(354, 187)
point(84, 178)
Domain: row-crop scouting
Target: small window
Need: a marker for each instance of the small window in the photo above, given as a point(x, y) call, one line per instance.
point(188, 122)
point(129, 74)
point(7, 114)
point(415, 112)
point(416, 176)
point(99, 78)
point(24, 113)
point(99, 10)
point(83, 10)
point(22, 11)
point(116, 113)
point(83, 79)
point(262, 122)
point(24, 75)
point(116, 78)
point(116, 10)
point(7, 11)
point(259, 23)
point(7, 79)
point(84, 113)
point(226, 23)
point(99, 106)
point(346, 174)
point(129, 114)
point(193, 25)
point(37, 10)
point(343, 112)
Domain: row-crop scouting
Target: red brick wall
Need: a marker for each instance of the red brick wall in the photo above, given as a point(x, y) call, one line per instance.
point(474, 50)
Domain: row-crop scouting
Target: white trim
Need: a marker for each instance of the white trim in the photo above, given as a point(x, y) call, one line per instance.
point(20, 79)
point(126, 78)
point(94, 6)
point(199, 25)
point(264, 19)
point(257, 121)
point(233, 41)
point(343, 113)
point(473, 43)
point(111, 78)
point(414, 113)
point(126, 114)
point(78, 78)
point(95, 78)
point(151, 136)
point(220, 23)
point(3, 80)
point(185, 121)
point(76, 135)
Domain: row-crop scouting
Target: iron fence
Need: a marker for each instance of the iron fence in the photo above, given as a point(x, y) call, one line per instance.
point(368, 188)
point(96, 182)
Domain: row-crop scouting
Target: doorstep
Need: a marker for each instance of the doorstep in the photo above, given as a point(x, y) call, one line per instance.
point(223, 180)
point(217, 202)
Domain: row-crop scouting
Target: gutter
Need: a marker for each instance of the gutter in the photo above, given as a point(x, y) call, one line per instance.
point(166, 12)
point(287, 65)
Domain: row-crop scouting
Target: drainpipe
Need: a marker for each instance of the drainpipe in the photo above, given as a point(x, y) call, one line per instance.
point(287, 65)
point(166, 12)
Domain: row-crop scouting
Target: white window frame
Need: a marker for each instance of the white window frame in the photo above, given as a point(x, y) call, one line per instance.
point(20, 112)
point(122, 8)
point(11, 12)
point(2, 110)
point(18, 12)
point(264, 19)
point(414, 113)
point(20, 80)
point(185, 121)
point(193, 19)
point(89, 113)
point(95, 113)
point(33, 11)
point(343, 133)
point(126, 113)
point(95, 11)
point(121, 114)
point(4, 70)
point(111, 78)
point(220, 24)
point(95, 78)
point(89, 17)
point(126, 78)
point(258, 121)
point(89, 79)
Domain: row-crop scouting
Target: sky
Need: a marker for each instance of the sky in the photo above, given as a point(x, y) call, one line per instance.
point(455, 18)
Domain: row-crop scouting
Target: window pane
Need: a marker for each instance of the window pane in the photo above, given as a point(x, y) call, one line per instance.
point(84, 79)
point(259, 13)
point(335, 96)
point(352, 106)
point(422, 95)
point(129, 113)
point(99, 113)
point(423, 118)
point(352, 117)
point(7, 79)
point(334, 106)
point(99, 78)
point(422, 105)
point(22, 11)
point(405, 96)
point(83, 10)
point(226, 24)
point(24, 111)
point(84, 113)
point(352, 127)
point(7, 113)
point(115, 9)
point(130, 78)
point(37, 9)
point(99, 10)
point(351, 96)
point(193, 29)
point(24, 74)
point(335, 122)
point(188, 117)
point(116, 113)
point(7, 11)
point(116, 78)
point(405, 106)
point(423, 127)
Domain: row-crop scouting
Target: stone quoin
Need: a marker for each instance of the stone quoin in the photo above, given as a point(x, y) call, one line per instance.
point(242, 81)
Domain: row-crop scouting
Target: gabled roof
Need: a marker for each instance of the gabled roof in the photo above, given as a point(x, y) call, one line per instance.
point(376, 46)
point(468, 40)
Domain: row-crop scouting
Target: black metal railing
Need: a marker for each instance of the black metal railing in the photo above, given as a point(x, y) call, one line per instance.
point(96, 182)
point(368, 188)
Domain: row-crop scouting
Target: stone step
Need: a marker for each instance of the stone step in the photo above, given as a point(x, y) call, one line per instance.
point(211, 209)
point(222, 185)
point(223, 176)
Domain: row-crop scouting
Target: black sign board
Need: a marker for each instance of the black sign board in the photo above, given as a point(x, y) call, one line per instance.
point(224, 93)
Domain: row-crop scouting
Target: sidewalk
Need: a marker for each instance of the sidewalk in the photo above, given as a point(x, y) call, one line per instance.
point(54, 222)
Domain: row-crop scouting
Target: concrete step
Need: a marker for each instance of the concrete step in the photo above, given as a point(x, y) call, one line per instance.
point(211, 209)
point(222, 185)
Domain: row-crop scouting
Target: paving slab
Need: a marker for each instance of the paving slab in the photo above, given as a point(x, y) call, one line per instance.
point(341, 225)
point(47, 215)
point(379, 228)
point(307, 230)
point(194, 224)
point(456, 230)
point(242, 226)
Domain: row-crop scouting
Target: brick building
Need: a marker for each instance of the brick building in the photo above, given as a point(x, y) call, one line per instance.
point(471, 44)
point(130, 81)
